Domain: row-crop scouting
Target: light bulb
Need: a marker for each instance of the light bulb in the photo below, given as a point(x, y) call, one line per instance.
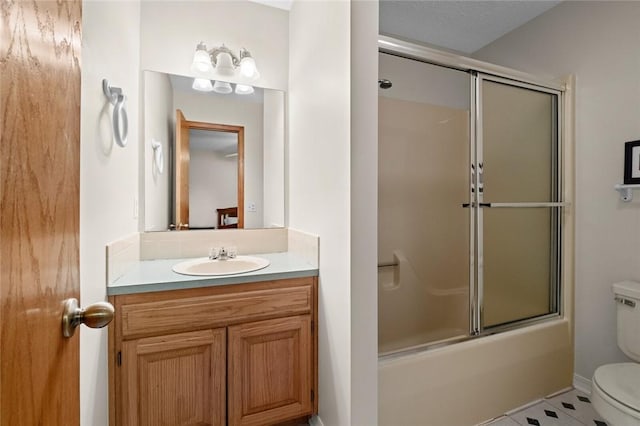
point(202, 84)
point(248, 67)
point(222, 87)
point(201, 60)
point(224, 64)
point(243, 89)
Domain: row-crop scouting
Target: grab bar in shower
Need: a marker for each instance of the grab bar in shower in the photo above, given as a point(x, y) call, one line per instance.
point(386, 264)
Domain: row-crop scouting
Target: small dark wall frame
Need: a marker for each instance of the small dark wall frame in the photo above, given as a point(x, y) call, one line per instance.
point(632, 163)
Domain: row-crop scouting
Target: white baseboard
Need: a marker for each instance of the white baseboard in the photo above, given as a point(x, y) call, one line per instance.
point(315, 421)
point(582, 384)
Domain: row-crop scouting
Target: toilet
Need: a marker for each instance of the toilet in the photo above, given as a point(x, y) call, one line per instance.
point(615, 388)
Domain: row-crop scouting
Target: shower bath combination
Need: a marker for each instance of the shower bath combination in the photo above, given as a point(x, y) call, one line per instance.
point(470, 203)
point(475, 237)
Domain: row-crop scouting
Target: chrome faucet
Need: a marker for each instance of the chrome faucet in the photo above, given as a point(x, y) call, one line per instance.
point(223, 254)
point(218, 253)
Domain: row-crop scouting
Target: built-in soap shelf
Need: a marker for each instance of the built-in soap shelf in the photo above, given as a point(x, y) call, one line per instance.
point(626, 191)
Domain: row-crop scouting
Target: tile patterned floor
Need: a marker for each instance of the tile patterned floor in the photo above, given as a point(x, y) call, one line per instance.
point(572, 408)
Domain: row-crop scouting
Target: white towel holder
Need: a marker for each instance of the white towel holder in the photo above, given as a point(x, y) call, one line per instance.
point(120, 120)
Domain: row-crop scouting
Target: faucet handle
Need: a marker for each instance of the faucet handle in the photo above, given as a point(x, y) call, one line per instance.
point(223, 254)
point(214, 253)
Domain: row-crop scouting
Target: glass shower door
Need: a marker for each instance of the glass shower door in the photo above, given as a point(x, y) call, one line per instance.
point(519, 202)
point(423, 233)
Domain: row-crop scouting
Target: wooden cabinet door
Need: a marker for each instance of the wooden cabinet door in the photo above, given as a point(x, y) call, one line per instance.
point(269, 371)
point(175, 380)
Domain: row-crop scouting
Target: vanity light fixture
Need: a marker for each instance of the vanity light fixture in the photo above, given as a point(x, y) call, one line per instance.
point(222, 61)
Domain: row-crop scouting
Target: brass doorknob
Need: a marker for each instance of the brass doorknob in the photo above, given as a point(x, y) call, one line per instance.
point(94, 316)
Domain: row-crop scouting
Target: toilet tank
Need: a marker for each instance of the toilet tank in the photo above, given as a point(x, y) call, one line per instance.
point(627, 294)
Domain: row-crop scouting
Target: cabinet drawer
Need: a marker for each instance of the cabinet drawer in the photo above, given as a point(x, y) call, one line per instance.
point(174, 315)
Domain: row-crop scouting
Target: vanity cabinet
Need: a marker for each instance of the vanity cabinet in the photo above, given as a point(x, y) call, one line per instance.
point(242, 354)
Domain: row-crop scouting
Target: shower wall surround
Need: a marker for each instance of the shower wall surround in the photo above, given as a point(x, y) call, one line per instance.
point(429, 300)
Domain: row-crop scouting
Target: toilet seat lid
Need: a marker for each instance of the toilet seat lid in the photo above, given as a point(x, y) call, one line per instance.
point(621, 382)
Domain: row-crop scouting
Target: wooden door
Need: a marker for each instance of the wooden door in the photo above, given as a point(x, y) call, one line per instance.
point(175, 380)
point(182, 172)
point(39, 210)
point(269, 366)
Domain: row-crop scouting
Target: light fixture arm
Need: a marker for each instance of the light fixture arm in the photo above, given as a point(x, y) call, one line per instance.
point(213, 53)
point(244, 53)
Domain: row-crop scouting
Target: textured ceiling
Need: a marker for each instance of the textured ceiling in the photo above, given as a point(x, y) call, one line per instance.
point(465, 26)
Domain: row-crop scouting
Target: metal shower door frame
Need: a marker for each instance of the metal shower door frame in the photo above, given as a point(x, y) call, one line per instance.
point(478, 205)
point(481, 71)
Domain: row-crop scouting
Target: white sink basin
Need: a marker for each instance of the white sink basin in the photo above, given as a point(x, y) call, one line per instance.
point(206, 266)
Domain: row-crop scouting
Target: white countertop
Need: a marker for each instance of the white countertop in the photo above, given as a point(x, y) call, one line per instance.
point(157, 275)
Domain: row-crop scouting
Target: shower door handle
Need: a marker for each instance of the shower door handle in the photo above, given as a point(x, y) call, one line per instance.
point(524, 205)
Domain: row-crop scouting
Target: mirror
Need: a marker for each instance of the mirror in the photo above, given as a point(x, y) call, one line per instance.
point(211, 161)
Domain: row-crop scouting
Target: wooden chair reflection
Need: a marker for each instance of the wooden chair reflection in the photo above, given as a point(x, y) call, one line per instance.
point(227, 218)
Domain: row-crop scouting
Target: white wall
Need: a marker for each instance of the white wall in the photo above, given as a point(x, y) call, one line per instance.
point(158, 116)
point(171, 30)
point(211, 109)
point(319, 181)
point(213, 185)
point(598, 41)
point(332, 185)
point(364, 205)
point(108, 176)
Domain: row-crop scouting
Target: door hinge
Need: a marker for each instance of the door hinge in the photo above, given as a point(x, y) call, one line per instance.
point(119, 359)
point(312, 395)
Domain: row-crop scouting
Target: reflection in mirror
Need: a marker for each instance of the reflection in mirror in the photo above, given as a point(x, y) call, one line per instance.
point(206, 153)
point(224, 157)
point(214, 158)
